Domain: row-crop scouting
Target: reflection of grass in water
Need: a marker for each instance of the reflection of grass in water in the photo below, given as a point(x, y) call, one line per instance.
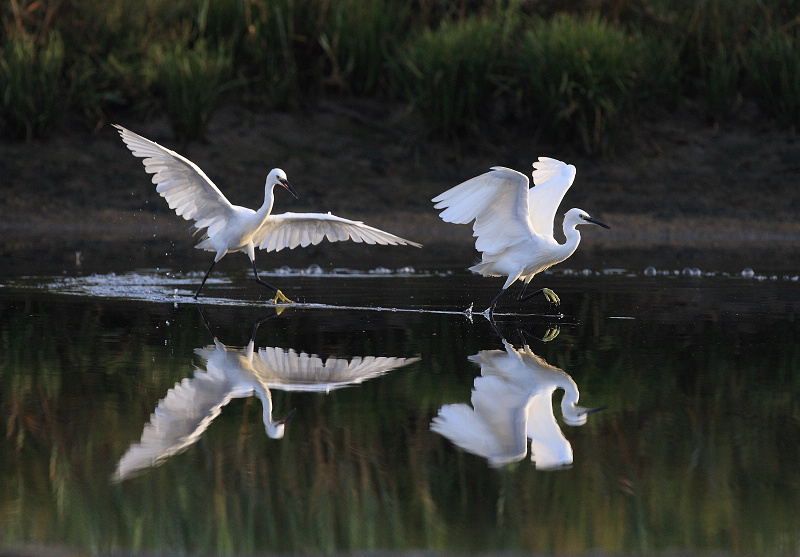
point(697, 448)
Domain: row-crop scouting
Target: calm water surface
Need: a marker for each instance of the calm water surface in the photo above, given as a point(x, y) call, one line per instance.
point(137, 420)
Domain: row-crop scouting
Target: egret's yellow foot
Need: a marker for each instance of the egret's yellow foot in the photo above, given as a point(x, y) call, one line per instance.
point(280, 298)
point(551, 334)
point(551, 296)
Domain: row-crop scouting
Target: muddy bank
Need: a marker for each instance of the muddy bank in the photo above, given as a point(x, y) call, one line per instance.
point(680, 186)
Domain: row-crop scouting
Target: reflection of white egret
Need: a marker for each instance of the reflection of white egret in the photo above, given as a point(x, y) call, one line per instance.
point(512, 401)
point(189, 408)
point(514, 223)
point(231, 228)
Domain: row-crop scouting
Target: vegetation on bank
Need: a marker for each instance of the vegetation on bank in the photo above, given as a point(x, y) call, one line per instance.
point(582, 71)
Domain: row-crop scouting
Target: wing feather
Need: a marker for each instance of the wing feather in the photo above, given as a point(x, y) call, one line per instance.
point(497, 201)
point(289, 371)
point(290, 230)
point(552, 179)
point(182, 183)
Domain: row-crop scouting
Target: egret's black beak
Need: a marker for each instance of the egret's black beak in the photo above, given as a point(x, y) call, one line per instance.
point(288, 417)
point(597, 222)
point(288, 186)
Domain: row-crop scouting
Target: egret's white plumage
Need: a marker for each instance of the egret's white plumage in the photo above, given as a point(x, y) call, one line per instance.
point(512, 403)
point(191, 405)
point(514, 223)
point(231, 228)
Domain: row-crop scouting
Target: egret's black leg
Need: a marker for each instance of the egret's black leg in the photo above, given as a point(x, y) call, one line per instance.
point(262, 282)
point(279, 296)
point(494, 303)
point(549, 294)
point(204, 279)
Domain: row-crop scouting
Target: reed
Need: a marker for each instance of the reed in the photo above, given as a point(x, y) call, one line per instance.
point(773, 69)
point(578, 73)
point(450, 73)
point(30, 83)
point(192, 80)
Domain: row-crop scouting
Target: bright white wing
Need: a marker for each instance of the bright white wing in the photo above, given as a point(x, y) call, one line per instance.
point(552, 178)
point(290, 230)
point(289, 371)
point(178, 421)
point(186, 188)
point(498, 203)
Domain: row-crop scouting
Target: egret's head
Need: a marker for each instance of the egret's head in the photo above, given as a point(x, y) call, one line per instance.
point(278, 177)
point(574, 217)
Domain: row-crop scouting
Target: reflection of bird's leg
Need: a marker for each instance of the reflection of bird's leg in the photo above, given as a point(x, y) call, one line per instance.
point(205, 278)
point(279, 296)
point(205, 322)
point(551, 333)
point(258, 323)
point(548, 294)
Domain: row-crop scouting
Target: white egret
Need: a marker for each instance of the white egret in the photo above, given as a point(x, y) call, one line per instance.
point(191, 405)
point(512, 402)
point(514, 223)
point(231, 228)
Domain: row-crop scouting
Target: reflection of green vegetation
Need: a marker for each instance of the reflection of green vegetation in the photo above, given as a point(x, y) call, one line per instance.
point(458, 66)
point(697, 449)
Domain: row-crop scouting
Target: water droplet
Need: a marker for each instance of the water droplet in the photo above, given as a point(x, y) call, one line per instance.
point(650, 271)
point(748, 273)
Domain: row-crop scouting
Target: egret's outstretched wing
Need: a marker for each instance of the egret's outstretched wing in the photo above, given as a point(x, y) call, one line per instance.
point(289, 371)
point(497, 201)
point(290, 230)
point(178, 421)
point(552, 179)
point(181, 182)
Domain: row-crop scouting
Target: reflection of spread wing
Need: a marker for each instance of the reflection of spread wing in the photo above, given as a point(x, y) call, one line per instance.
point(493, 428)
point(178, 421)
point(290, 230)
point(181, 182)
point(289, 371)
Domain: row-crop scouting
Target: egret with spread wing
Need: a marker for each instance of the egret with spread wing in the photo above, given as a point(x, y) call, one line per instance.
point(231, 228)
point(514, 223)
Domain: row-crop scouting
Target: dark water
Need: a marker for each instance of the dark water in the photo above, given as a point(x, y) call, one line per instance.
point(134, 420)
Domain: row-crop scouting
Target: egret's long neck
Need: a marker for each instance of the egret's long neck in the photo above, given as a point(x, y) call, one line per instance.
point(269, 199)
point(573, 239)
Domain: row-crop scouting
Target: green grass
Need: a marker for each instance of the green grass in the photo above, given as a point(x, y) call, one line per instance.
point(450, 74)
point(192, 80)
point(30, 84)
point(580, 73)
point(586, 74)
point(773, 70)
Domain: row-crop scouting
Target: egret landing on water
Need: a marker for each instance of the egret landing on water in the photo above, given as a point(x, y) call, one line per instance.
point(514, 223)
point(230, 228)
